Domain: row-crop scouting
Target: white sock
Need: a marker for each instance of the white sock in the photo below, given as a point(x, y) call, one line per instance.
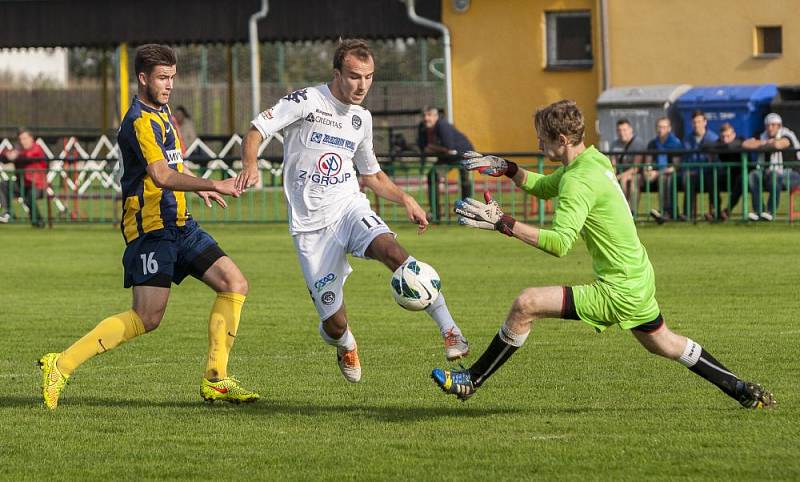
point(441, 315)
point(346, 341)
point(439, 312)
point(690, 354)
point(512, 338)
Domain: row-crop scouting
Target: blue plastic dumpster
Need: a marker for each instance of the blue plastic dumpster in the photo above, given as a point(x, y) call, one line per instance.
point(743, 106)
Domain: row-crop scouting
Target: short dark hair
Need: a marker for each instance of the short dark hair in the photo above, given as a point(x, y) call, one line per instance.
point(726, 127)
point(562, 117)
point(150, 55)
point(24, 130)
point(623, 121)
point(183, 111)
point(429, 108)
point(357, 47)
point(698, 113)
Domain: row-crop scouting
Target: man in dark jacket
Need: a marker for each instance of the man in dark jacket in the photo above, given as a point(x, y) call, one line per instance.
point(438, 137)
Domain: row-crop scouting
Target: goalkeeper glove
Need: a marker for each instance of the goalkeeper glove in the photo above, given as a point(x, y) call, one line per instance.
point(490, 165)
point(488, 215)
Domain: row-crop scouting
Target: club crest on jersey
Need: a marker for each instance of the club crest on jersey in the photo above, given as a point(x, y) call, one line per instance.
point(356, 122)
point(328, 298)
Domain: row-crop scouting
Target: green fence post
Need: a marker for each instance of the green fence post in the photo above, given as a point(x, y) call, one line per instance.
point(674, 187)
point(433, 193)
point(542, 204)
point(745, 187)
point(728, 186)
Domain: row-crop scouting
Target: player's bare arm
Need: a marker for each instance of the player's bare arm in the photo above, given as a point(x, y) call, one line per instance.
point(208, 196)
point(164, 177)
point(249, 175)
point(383, 187)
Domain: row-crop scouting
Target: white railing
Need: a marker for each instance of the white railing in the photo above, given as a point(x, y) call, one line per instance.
point(80, 167)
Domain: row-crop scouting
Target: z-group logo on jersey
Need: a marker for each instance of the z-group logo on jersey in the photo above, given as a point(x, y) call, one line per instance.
point(356, 122)
point(328, 140)
point(329, 166)
point(323, 120)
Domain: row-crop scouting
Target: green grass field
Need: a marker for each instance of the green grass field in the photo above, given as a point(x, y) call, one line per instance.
point(571, 404)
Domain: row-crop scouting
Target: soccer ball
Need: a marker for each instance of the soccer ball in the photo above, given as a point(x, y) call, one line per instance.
point(415, 285)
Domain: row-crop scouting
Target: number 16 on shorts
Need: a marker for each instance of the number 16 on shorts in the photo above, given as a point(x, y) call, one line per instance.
point(149, 263)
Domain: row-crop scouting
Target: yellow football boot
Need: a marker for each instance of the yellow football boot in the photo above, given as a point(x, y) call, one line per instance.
point(226, 390)
point(53, 380)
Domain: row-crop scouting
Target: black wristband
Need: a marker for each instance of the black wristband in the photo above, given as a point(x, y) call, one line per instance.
point(506, 224)
point(512, 169)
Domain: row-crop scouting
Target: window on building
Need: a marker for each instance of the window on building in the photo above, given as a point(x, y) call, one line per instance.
point(569, 40)
point(768, 41)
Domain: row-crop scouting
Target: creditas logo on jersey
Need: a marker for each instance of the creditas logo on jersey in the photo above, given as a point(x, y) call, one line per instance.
point(328, 172)
point(323, 120)
point(328, 140)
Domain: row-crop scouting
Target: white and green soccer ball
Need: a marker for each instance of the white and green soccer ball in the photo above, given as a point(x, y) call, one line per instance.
point(415, 285)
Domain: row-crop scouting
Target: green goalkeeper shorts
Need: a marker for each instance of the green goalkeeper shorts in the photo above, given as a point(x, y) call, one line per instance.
point(601, 305)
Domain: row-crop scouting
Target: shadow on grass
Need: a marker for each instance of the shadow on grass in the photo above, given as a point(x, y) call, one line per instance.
point(382, 413)
point(266, 408)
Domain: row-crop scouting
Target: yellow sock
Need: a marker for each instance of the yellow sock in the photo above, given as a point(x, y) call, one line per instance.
point(109, 333)
point(222, 327)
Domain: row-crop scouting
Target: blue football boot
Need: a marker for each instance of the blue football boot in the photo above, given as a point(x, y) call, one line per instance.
point(454, 382)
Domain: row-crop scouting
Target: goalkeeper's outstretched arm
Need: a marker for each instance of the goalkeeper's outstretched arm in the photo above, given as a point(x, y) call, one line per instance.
point(540, 185)
point(569, 219)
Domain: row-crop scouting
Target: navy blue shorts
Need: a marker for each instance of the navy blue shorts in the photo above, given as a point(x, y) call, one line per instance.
point(169, 255)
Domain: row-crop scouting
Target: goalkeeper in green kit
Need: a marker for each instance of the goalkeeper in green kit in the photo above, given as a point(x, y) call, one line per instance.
point(591, 204)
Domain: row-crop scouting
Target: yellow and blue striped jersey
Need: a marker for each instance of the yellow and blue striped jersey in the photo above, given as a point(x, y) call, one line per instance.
point(146, 136)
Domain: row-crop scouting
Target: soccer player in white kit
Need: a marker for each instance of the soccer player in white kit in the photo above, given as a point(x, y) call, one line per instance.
point(326, 133)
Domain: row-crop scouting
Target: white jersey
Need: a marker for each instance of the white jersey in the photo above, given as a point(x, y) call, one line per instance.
point(323, 138)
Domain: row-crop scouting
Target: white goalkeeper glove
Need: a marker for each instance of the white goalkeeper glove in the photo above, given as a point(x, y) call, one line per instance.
point(488, 215)
point(490, 165)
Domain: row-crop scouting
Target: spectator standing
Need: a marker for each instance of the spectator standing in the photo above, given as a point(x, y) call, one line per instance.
point(662, 174)
point(628, 165)
point(30, 163)
point(772, 176)
point(438, 137)
point(700, 138)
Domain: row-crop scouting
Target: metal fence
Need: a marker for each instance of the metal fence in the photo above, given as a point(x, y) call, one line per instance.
point(83, 186)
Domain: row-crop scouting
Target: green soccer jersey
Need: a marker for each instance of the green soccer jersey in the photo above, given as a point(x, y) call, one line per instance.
point(591, 202)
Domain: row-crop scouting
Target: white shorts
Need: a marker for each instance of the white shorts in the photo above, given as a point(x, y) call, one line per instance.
point(323, 254)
